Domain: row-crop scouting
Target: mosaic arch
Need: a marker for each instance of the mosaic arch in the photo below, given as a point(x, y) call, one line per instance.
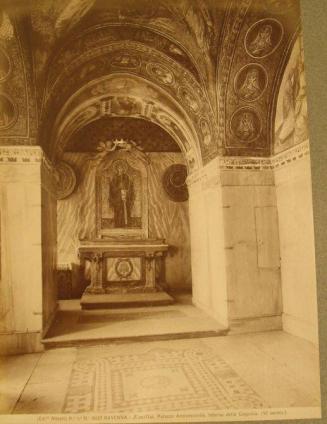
point(127, 96)
point(162, 73)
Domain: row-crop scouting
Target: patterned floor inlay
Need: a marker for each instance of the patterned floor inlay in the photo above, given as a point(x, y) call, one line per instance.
point(90, 318)
point(156, 380)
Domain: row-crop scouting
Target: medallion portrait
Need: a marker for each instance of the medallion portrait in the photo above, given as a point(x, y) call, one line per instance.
point(263, 38)
point(250, 82)
point(161, 73)
point(246, 125)
point(190, 100)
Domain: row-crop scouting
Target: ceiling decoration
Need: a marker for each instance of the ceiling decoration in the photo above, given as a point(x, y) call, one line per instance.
point(263, 38)
point(5, 65)
point(8, 112)
point(213, 70)
point(145, 134)
point(6, 27)
point(17, 112)
point(131, 97)
point(291, 122)
point(96, 37)
point(255, 49)
point(129, 58)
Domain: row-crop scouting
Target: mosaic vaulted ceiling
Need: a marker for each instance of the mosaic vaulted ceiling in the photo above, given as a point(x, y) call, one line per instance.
point(221, 61)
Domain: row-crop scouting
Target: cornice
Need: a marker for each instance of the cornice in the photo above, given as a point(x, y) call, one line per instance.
point(260, 164)
point(24, 155)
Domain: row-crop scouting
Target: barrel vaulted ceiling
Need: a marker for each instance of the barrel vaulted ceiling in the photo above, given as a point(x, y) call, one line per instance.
point(199, 54)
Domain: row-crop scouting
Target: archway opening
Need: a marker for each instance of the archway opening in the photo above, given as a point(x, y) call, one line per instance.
point(126, 119)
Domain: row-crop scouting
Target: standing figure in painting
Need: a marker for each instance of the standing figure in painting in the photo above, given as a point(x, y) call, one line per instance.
point(262, 44)
point(121, 195)
point(250, 88)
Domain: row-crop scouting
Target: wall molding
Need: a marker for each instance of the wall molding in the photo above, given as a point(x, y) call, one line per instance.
point(26, 155)
point(261, 164)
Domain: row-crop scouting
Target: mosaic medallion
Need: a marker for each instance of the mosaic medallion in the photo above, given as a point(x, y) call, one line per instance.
point(263, 38)
point(66, 180)
point(189, 99)
point(174, 182)
point(160, 73)
point(246, 125)
point(8, 113)
point(250, 82)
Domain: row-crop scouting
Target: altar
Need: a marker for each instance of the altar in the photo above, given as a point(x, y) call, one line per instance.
point(124, 273)
point(123, 265)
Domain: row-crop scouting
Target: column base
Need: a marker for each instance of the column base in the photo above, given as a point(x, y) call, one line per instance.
point(125, 300)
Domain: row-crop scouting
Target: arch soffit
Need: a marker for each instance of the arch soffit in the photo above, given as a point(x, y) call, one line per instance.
point(166, 75)
point(126, 95)
point(102, 35)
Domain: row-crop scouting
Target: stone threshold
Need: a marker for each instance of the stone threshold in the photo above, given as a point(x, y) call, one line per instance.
point(51, 343)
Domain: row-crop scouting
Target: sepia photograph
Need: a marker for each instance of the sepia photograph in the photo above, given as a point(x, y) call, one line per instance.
point(157, 232)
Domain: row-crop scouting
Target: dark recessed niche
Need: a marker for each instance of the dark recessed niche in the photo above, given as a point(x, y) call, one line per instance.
point(147, 135)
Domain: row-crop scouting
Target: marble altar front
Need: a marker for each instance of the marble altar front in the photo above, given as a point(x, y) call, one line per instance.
point(124, 273)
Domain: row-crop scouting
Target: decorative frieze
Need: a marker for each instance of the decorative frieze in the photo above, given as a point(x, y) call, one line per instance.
point(21, 154)
point(24, 155)
point(274, 162)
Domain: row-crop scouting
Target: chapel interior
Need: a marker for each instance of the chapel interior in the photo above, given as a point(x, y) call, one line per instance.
point(155, 190)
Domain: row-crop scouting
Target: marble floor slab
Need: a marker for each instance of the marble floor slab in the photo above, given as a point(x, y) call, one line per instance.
point(74, 326)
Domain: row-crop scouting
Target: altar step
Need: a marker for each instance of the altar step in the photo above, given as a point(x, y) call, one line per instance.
point(182, 320)
point(126, 300)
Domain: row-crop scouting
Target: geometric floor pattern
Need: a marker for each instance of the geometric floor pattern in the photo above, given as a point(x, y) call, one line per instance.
point(159, 379)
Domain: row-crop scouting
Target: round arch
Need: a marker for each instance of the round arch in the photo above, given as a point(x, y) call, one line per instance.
point(126, 95)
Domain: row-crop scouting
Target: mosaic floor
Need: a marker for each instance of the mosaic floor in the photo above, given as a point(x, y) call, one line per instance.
point(270, 370)
point(159, 379)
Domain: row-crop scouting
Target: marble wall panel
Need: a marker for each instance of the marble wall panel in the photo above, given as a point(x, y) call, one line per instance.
point(252, 249)
point(21, 277)
point(49, 256)
point(170, 220)
point(294, 201)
